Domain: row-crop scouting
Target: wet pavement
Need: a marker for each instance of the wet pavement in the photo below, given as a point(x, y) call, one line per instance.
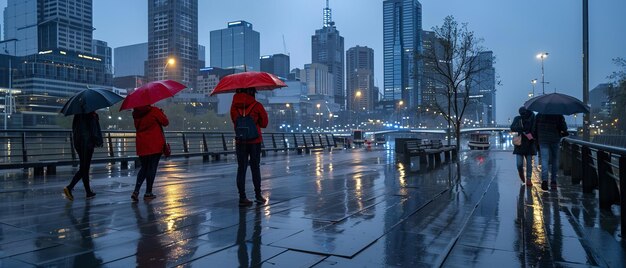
point(346, 208)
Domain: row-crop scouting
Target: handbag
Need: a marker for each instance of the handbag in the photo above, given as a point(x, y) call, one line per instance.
point(167, 151)
point(517, 140)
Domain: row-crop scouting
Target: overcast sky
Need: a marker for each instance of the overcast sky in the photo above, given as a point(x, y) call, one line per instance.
point(514, 30)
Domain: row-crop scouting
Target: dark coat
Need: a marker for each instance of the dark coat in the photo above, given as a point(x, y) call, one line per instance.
point(550, 128)
point(149, 123)
point(524, 125)
point(258, 113)
point(86, 131)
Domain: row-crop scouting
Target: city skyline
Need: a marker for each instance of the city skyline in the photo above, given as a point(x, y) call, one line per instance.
point(522, 31)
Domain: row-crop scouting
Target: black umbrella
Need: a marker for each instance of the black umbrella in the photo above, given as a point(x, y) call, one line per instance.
point(556, 103)
point(90, 100)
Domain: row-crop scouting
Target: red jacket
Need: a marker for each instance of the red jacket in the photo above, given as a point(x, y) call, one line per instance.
point(148, 123)
point(258, 113)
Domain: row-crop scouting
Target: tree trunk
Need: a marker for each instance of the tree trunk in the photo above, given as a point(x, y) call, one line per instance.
point(457, 132)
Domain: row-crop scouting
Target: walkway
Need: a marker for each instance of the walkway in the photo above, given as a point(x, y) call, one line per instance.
point(348, 208)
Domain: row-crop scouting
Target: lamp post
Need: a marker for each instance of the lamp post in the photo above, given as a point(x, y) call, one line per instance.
point(319, 117)
point(400, 103)
point(8, 98)
point(355, 106)
point(170, 61)
point(542, 56)
point(533, 82)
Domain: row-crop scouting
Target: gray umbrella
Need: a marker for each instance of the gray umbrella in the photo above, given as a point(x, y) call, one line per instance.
point(90, 100)
point(556, 103)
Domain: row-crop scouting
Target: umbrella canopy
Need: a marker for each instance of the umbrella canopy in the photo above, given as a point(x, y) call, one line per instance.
point(257, 80)
point(90, 100)
point(556, 103)
point(151, 93)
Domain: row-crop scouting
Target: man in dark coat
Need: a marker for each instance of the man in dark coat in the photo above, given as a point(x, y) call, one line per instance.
point(87, 135)
point(550, 129)
point(524, 125)
point(249, 151)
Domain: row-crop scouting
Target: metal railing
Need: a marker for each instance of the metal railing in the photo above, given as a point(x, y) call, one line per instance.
point(51, 148)
point(597, 166)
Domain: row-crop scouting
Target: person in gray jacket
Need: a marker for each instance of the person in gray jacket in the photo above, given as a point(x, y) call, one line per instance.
point(550, 129)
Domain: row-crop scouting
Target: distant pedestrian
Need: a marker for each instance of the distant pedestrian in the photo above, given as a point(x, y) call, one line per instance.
point(524, 125)
point(150, 140)
point(86, 136)
point(550, 129)
point(245, 109)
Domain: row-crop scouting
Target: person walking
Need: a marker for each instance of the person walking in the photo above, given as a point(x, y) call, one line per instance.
point(150, 140)
point(86, 136)
point(248, 150)
point(550, 129)
point(524, 125)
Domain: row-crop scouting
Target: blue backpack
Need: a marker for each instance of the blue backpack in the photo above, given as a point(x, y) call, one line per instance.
point(245, 127)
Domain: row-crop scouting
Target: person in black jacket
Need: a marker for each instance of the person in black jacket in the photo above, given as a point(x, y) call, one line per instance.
point(524, 125)
point(87, 135)
point(550, 129)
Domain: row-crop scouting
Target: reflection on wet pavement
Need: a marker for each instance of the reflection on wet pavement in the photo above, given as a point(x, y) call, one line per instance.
point(346, 208)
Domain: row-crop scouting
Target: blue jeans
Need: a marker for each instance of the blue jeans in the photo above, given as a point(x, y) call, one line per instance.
point(529, 165)
point(549, 156)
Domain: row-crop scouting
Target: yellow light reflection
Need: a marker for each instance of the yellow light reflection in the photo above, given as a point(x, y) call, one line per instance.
point(402, 173)
point(538, 227)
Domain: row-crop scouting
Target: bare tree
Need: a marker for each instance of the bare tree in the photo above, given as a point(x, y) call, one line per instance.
point(454, 64)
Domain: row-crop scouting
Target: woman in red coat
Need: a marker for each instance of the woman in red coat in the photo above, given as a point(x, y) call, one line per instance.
point(149, 123)
point(249, 151)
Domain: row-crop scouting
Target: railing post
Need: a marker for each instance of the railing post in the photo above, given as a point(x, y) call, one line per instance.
point(285, 143)
point(295, 144)
point(306, 147)
point(589, 180)
point(263, 151)
point(185, 145)
point(607, 188)
point(319, 136)
point(566, 155)
point(24, 152)
point(205, 156)
point(328, 142)
point(274, 143)
point(577, 170)
point(224, 143)
point(110, 142)
point(622, 186)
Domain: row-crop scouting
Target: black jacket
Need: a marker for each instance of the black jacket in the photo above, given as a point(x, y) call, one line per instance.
point(524, 125)
point(550, 128)
point(86, 131)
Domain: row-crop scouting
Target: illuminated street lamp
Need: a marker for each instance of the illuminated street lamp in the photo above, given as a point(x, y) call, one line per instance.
point(542, 56)
point(533, 82)
point(170, 61)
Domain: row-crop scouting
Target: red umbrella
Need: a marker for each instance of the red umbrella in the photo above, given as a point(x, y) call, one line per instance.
point(151, 93)
point(257, 80)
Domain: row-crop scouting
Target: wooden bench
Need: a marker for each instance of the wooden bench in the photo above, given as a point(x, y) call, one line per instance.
point(429, 153)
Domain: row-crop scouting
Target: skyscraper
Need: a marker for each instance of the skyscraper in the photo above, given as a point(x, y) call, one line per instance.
point(327, 48)
point(402, 26)
point(102, 50)
point(433, 89)
point(237, 47)
point(483, 87)
point(360, 78)
point(130, 60)
point(46, 25)
point(173, 34)
point(277, 64)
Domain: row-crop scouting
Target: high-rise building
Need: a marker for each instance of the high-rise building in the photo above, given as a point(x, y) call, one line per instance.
point(130, 60)
point(277, 64)
point(432, 85)
point(102, 50)
point(327, 48)
point(319, 81)
point(173, 34)
point(236, 47)
point(39, 25)
point(402, 26)
point(483, 88)
point(53, 42)
point(360, 78)
point(201, 56)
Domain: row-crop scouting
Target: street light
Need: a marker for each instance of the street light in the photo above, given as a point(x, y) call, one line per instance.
point(542, 56)
point(319, 116)
point(170, 61)
point(533, 82)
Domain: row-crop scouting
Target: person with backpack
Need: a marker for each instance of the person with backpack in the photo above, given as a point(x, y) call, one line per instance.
point(550, 129)
point(248, 117)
